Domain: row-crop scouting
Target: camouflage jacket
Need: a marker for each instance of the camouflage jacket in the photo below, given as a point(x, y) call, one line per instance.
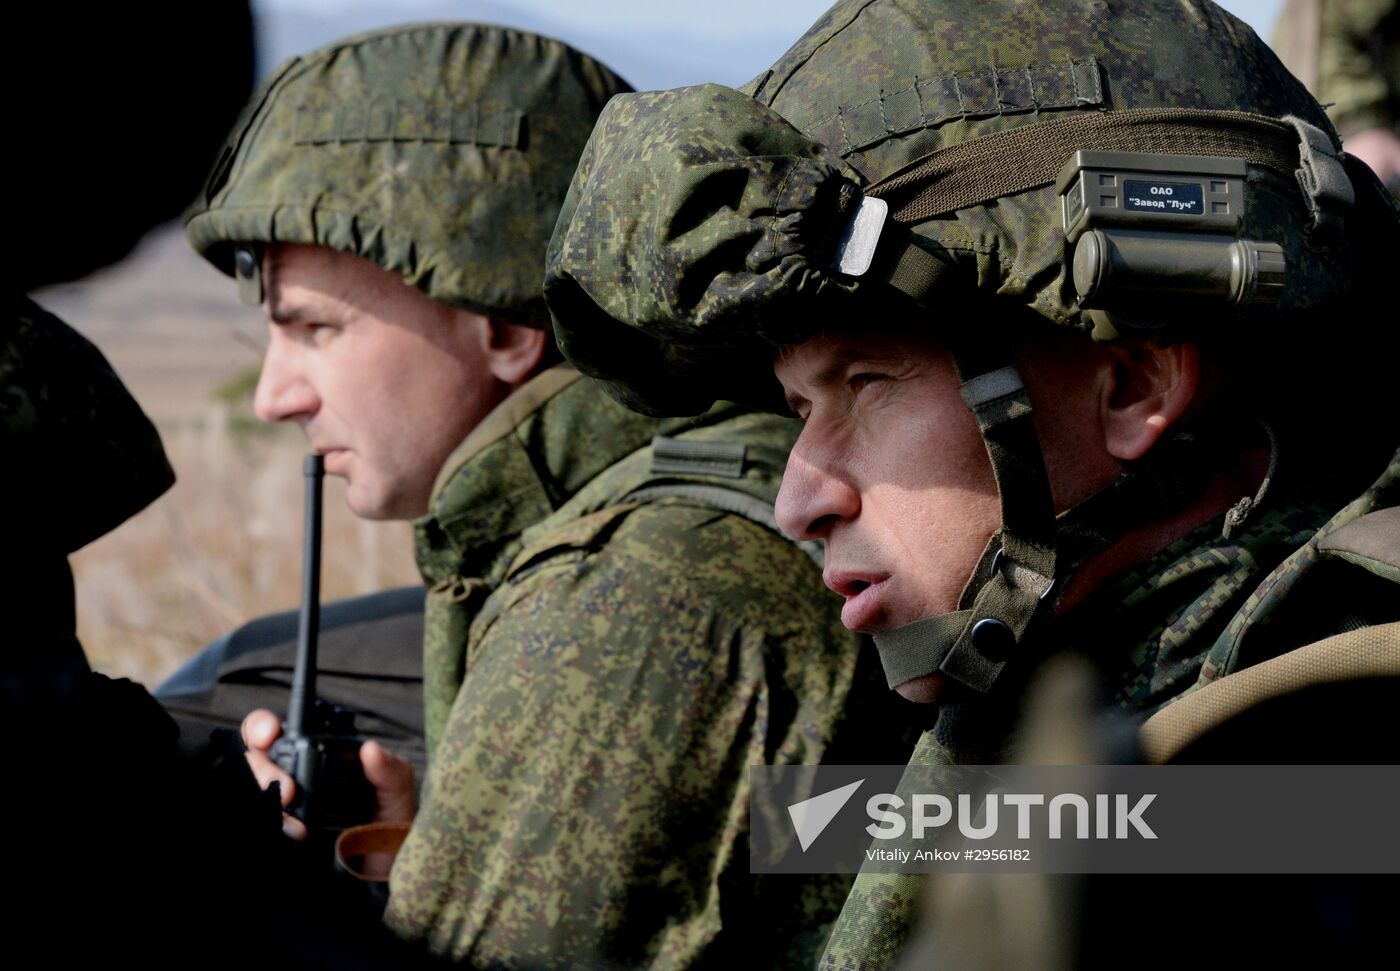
point(1206, 606)
point(599, 674)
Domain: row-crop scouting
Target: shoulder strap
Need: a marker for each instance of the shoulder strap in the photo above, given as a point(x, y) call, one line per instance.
point(692, 471)
point(1371, 542)
point(711, 461)
point(726, 500)
point(1366, 653)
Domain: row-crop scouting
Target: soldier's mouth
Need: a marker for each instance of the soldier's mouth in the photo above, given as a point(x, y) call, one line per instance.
point(864, 598)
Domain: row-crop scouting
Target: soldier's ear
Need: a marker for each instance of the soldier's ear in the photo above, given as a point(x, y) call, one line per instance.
point(513, 352)
point(1145, 389)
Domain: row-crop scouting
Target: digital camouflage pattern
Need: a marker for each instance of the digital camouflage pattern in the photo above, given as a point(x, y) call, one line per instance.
point(1313, 593)
point(681, 296)
point(600, 676)
point(439, 151)
point(697, 220)
point(1183, 615)
point(684, 243)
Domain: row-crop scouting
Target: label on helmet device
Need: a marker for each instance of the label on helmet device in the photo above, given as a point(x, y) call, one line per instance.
point(1143, 193)
point(1179, 198)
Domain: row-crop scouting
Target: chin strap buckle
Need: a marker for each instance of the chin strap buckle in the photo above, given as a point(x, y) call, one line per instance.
point(970, 645)
point(1022, 577)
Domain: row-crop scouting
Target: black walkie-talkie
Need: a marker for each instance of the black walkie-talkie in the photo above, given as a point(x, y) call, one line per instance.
point(318, 747)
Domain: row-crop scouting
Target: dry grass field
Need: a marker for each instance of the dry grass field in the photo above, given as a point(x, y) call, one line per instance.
point(224, 545)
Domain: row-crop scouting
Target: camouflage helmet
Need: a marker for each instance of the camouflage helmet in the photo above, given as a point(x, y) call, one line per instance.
point(1014, 147)
point(439, 151)
point(688, 225)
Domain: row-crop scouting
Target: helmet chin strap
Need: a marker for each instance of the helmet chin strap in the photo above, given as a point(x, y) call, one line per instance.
point(1017, 572)
point(1027, 562)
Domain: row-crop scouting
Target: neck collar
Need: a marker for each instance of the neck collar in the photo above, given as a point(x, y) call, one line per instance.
point(529, 456)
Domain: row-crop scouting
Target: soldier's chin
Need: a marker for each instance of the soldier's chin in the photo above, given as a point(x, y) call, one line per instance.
point(925, 690)
point(369, 502)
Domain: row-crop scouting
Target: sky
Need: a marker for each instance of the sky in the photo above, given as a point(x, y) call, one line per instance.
point(653, 43)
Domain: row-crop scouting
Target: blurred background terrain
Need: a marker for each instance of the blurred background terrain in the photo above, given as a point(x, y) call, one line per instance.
point(223, 546)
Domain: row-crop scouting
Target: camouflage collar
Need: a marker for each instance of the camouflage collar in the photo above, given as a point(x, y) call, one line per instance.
point(1176, 621)
point(1156, 630)
point(535, 451)
point(1167, 613)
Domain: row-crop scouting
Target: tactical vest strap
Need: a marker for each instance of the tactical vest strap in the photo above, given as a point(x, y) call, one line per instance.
point(680, 456)
point(726, 500)
point(1371, 652)
point(1371, 542)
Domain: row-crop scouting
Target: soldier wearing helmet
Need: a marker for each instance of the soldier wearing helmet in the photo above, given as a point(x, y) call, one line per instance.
point(1046, 283)
point(615, 628)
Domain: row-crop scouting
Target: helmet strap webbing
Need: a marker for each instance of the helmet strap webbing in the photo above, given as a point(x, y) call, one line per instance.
point(1029, 156)
point(1027, 561)
point(973, 644)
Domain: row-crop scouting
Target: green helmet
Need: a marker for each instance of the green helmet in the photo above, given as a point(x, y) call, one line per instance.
point(1144, 169)
point(440, 152)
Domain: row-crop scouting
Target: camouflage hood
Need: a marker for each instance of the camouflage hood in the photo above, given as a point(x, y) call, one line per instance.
point(705, 221)
point(439, 151)
point(82, 456)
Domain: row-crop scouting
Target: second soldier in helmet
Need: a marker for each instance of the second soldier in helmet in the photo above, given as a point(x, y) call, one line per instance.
point(1043, 408)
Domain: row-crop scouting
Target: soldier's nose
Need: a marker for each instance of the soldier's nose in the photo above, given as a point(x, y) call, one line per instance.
point(812, 499)
point(283, 393)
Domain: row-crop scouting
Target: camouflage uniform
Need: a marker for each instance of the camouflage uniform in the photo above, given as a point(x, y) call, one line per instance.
point(706, 227)
point(600, 675)
point(1204, 607)
point(602, 661)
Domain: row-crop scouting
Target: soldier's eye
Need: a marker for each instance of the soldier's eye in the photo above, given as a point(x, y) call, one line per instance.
point(798, 407)
point(858, 382)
